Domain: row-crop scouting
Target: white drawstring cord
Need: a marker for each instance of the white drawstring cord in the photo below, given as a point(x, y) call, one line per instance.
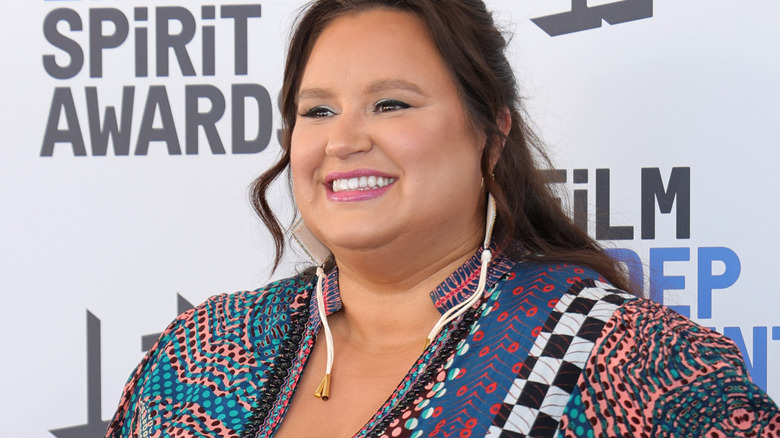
point(487, 256)
point(461, 308)
point(323, 391)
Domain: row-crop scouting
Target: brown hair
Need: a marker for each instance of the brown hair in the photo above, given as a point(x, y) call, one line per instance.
point(472, 48)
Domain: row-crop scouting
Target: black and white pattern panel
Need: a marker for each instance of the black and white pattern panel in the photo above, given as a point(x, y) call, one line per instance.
point(534, 405)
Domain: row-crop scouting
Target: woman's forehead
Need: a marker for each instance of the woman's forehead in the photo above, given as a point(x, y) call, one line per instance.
point(378, 48)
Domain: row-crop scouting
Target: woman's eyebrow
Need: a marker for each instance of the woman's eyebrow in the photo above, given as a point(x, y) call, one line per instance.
point(313, 93)
point(394, 84)
point(374, 87)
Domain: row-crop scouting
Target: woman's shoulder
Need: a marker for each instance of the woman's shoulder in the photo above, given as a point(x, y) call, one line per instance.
point(644, 370)
point(652, 371)
point(634, 330)
point(282, 295)
point(219, 344)
point(270, 301)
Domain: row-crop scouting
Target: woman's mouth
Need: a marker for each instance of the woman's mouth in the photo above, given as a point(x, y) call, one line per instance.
point(370, 182)
point(358, 185)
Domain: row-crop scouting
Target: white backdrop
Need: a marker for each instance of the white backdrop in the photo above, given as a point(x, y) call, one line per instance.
point(101, 250)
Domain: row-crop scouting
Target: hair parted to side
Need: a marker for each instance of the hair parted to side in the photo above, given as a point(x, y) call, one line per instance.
point(472, 48)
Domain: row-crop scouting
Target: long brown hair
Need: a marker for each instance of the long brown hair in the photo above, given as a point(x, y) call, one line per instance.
point(472, 48)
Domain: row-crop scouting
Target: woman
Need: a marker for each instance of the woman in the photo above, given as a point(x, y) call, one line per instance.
point(452, 296)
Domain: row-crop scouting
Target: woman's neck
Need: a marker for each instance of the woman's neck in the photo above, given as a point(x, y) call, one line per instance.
point(386, 295)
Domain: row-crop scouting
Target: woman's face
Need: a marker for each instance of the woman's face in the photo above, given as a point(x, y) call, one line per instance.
point(382, 151)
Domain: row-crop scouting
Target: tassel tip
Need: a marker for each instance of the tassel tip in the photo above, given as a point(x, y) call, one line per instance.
point(323, 391)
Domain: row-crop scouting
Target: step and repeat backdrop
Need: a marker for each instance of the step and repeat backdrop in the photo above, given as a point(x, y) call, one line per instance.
point(131, 129)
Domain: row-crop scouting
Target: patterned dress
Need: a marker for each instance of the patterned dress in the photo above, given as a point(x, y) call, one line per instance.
point(551, 350)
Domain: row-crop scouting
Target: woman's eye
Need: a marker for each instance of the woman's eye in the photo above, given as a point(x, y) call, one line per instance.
point(317, 112)
point(384, 106)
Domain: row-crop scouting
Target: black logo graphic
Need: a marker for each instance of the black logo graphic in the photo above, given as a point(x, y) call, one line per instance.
point(581, 17)
point(96, 427)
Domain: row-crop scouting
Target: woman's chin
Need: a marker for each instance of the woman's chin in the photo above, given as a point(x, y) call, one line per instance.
point(358, 241)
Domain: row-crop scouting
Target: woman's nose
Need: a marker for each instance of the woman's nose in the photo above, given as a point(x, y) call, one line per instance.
point(348, 136)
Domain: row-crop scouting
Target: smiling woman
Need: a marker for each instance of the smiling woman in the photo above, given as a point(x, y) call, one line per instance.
point(452, 295)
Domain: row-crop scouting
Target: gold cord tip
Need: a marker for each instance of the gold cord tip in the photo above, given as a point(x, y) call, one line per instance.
point(323, 391)
point(427, 343)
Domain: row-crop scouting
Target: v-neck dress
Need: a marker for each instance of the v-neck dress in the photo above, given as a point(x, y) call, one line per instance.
point(550, 350)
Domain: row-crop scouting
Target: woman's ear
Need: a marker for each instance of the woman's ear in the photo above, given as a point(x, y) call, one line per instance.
point(504, 122)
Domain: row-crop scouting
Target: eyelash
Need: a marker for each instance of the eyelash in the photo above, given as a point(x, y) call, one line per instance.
point(383, 106)
point(318, 112)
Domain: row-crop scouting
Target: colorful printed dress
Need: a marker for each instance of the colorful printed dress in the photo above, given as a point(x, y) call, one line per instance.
point(549, 351)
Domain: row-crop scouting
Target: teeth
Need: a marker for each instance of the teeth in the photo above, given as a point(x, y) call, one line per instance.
point(361, 183)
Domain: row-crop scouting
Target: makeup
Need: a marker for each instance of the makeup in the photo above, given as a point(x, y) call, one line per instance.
point(357, 185)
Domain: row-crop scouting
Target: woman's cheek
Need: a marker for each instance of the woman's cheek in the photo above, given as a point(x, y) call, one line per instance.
point(302, 147)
